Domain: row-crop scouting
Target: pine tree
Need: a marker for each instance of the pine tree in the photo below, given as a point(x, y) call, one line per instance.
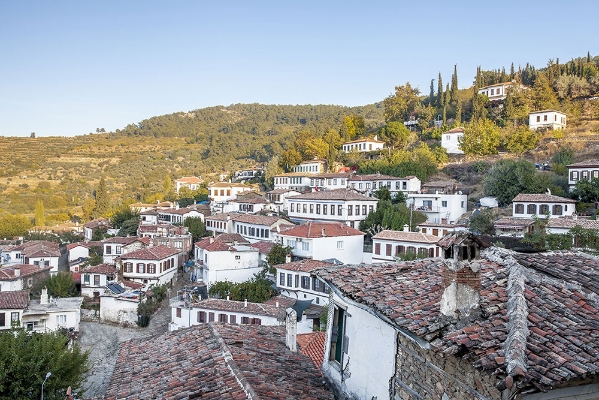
point(40, 219)
point(439, 92)
point(588, 56)
point(512, 72)
point(458, 114)
point(454, 84)
point(102, 200)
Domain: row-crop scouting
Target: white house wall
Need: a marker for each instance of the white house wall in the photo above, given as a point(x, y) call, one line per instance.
point(451, 142)
point(371, 353)
point(223, 265)
point(189, 317)
point(118, 310)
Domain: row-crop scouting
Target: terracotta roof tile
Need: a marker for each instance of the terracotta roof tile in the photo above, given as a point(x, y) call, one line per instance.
point(376, 177)
point(263, 309)
point(215, 361)
point(189, 179)
point(100, 269)
point(570, 223)
point(14, 300)
point(312, 345)
point(417, 237)
point(316, 229)
point(304, 265)
point(586, 163)
point(545, 198)
point(263, 246)
point(151, 253)
point(8, 273)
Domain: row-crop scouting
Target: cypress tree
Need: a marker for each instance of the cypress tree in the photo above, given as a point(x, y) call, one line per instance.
point(102, 201)
point(446, 97)
point(588, 56)
point(431, 96)
point(512, 72)
point(445, 115)
point(40, 219)
point(458, 114)
point(454, 83)
point(440, 92)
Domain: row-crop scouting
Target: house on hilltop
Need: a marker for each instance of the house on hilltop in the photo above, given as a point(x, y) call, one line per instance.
point(450, 140)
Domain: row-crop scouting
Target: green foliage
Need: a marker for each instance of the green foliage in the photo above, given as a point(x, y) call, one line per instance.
point(507, 178)
point(26, 358)
point(353, 126)
point(99, 234)
point(129, 227)
point(196, 227)
point(278, 254)
point(481, 137)
point(481, 223)
point(220, 289)
point(538, 237)
point(397, 135)
point(289, 158)
point(390, 216)
point(543, 96)
point(413, 255)
point(102, 200)
point(521, 140)
point(587, 191)
point(585, 238)
point(123, 214)
point(421, 162)
point(556, 241)
point(398, 106)
point(145, 310)
point(256, 290)
point(40, 218)
point(13, 225)
point(61, 284)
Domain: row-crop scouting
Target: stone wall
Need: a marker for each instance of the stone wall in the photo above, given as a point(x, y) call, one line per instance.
point(90, 315)
point(118, 310)
point(426, 374)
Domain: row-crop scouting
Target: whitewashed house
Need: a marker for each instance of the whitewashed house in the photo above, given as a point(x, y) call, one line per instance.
point(370, 183)
point(226, 257)
point(529, 205)
point(439, 229)
point(193, 183)
point(153, 265)
point(588, 169)
point(185, 314)
point(340, 205)
point(296, 280)
point(148, 217)
point(444, 208)
point(297, 181)
point(255, 228)
point(117, 246)
point(177, 215)
point(278, 198)
point(17, 277)
point(119, 308)
point(90, 227)
point(497, 91)
point(219, 223)
point(363, 145)
point(12, 305)
point(563, 225)
point(547, 119)
point(313, 166)
point(323, 241)
point(34, 252)
point(221, 192)
point(247, 203)
point(51, 314)
point(388, 244)
point(451, 140)
point(330, 181)
point(77, 251)
point(95, 278)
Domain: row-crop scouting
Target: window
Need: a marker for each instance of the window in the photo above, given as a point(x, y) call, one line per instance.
point(339, 342)
point(574, 175)
point(2, 319)
point(585, 174)
point(305, 282)
point(210, 317)
point(151, 268)
point(297, 281)
point(238, 257)
point(141, 268)
point(318, 209)
point(332, 209)
point(86, 278)
point(399, 250)
point(292, 207)
point(96, 280)
point(315, 284)
point(201, 316)
point(311, 208)
point(492, 92)
point(325, 209)
point(60, 319)
point(519, 209)
point(282, 279)
point(444, 203)
point(340, 245)
point(233, 319)
point(224, 318)
point(128, 267)
point(544, 117)
point(178, 312)
point(108, 249)
point(256, 321)
point(538, 118)
point(364, 210)
point(388, 250)
point(245, 320)
point(306, 246)
point(117, 249)
point(377, 248)
point(349, 210)
point(289, 280)
point(339, 210)
point(305, 208)
point(543, 209)
point(557, 209)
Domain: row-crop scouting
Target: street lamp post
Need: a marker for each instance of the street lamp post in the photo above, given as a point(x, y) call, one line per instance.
point(44, 382)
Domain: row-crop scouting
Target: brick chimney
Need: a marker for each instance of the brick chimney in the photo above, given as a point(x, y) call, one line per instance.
point(460, 273)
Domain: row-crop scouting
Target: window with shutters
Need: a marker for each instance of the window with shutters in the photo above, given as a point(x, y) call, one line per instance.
point(256, 321)
point(377, 248)
point(531, 209)
point(233, 319)
point(557, 209)
point(543, 209)
point(96, 280)
point(519, 209)
point(305, 282)
point(289, 280)
point(388, 249)
point(224, 318)
point(282, 279)
point(245, 320)
point(178, 312)
point(210, 317)
point(201, 316)
point(339, 342)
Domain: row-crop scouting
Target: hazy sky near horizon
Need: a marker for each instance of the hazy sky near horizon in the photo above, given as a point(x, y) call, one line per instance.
point(69, 67)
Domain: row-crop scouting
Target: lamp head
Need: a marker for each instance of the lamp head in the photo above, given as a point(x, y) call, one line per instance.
point(48, 375)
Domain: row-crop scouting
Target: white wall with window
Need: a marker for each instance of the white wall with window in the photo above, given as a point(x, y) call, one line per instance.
point(234, 264)
point(355, 335)
point(439, 207)
point(347, 249)
point(302, 286)
point(529, 205)
point(588, 170)
point(547, 119)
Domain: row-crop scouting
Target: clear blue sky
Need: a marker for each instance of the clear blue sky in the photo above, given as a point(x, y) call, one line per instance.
point(69, 67)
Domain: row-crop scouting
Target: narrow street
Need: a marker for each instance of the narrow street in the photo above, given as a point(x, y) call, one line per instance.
point(103, 342)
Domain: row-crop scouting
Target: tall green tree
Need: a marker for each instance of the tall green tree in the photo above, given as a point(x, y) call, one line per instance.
point(61, 284)
point(278, 254)
point(102, 200)
point(354, 125)
point(543, 96)
point(481, 137)
point(196, 227)
point(431, 95)
point(289, 158)
point(13, 225)
point(26, 358)
point(521, 139)
point(481, 222)
point(454, 84)
point(40, 218)
point(507, 178)
point(439, 103)
point(587, 191)
point(399, 105)
point(397, 135)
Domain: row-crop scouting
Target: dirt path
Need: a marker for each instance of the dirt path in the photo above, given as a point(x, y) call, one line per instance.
point(103, 342)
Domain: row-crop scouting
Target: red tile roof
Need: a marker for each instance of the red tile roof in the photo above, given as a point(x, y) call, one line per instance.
point(545, 321)
point(96, 223)
point(14, 300)
point(263, 246)
point(304, 265)
point(215, 361)
point(376, 177)
point(545, 198)
point(8, 273)
point(263, 309)
point(335, 194)
point(71, 246)
point(121, 240)
point(569, 223)
point(189, 179)
point(131, 284)
point(222, 242)
point(151, 253)
point(416, 237)
point(100, 269)
point(312, 345)
point(321, 229)
point(586, 163)
point(455, 130)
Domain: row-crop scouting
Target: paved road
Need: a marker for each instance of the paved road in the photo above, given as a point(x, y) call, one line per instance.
point(103, 341)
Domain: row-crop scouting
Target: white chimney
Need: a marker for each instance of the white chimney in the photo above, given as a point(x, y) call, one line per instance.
point(288, 258)
point(323, 233)
point(549, 191)
point(44, 297)
point(406, 228)
point(245, 303)
point(277, 304)
point(17, 272)
point(227, 297)
point(291, 329)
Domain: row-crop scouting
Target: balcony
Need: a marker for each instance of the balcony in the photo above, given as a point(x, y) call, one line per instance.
point(426, 209)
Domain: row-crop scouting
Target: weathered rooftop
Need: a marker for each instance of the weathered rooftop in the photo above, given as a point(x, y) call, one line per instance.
point(321, 229)
point(215, 361)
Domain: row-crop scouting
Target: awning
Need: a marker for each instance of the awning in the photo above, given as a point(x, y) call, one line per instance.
point(300, 306)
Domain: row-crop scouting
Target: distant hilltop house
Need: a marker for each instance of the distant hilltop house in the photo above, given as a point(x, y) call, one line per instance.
point(191, 182)
point(497, 91)
point(588, 169)
point(314, 166)
point(363, 145)
point(547, 119)
point(450, 140)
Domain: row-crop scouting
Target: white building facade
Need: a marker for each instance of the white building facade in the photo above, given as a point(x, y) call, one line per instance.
point(363, 145)
point(387, 245)
point(154, 265)
point(547, 119)
point(452, 139)
point(529, 205)
point(443, 208)
point(588, 169)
